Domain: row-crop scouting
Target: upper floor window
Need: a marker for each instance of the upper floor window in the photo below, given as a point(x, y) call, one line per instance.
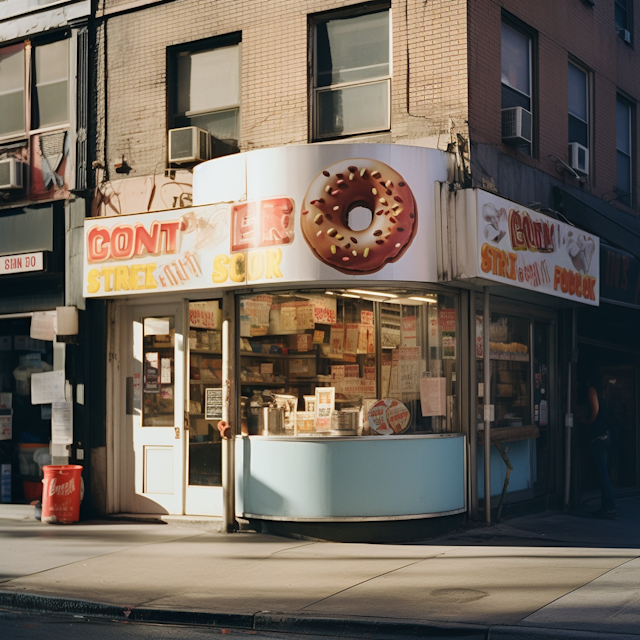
point(44, 68)
point(517, 72)
point(351, 75)
point(623, 19)
point(578, 105)
point(206, 93)
point(624, 151)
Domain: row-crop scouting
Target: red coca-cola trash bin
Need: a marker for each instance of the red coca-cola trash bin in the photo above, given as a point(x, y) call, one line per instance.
point(61, 493)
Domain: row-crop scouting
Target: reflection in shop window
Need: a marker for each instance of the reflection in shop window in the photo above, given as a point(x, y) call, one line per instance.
point(158, 379)
point(510, 370)
point(348, 362)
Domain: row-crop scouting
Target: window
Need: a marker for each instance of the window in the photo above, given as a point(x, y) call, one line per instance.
point(349, 362)
point(351, 91)
point(622, 19)
point(48, 73)
point(48, 66)
point(624, 164)
point(578, 82)
point(206, 93)
point(517, 52)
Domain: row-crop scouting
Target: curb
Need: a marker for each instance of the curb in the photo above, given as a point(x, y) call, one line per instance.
point(380, 629)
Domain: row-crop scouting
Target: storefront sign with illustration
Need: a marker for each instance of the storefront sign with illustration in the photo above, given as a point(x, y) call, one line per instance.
point(388, 417)
point(278, 216)
point(527, 249)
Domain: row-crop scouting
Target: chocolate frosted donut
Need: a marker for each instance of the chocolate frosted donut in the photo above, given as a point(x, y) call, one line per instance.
point(340, 188)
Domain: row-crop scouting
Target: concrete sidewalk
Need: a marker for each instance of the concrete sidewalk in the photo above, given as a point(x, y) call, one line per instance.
point(541, 576)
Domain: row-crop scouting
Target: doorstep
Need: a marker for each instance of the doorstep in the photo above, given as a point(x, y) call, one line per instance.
point(163, 518)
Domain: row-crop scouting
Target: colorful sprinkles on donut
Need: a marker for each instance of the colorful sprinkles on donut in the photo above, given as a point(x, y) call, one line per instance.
point(355, 184)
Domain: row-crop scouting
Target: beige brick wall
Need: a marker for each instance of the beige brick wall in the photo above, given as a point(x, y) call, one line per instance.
point(429, 84)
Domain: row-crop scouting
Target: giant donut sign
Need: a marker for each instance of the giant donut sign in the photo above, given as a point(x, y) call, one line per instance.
point(277, 216)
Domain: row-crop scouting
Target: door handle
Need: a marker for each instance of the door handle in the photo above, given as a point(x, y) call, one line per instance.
point(177, 430)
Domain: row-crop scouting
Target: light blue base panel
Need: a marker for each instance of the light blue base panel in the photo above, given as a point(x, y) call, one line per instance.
point(360, 477)
point(520, 456)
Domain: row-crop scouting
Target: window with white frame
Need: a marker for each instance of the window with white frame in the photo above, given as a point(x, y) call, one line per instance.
point(352, 74)
point(578, 81)
point(624, 151)
point(206, 93)
point(516, 75)
point(44, 68)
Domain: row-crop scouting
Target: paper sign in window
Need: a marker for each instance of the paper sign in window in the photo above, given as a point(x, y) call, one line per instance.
point(433, 396)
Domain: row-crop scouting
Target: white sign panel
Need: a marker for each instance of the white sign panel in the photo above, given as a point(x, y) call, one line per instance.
point(521, 247)
point(21, 263)
point(62, 422)
point(47, 387)
point(283, 215)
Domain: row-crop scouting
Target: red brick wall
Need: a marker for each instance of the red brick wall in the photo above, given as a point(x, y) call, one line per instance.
point(567, 28)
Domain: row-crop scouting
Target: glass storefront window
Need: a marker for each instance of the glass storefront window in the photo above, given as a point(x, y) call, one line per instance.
point(509, 345)
point(348, 362)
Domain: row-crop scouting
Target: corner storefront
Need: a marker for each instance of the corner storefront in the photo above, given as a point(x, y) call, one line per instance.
point(529, 272)
point(299, 300)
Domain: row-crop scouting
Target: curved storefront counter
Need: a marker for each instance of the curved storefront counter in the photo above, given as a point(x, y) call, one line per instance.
point(342, 479)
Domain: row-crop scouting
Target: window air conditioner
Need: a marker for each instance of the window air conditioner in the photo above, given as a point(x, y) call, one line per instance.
point(188, 144)
point(625, 35)
point(11, 174)
point(517, 125)
point(579, 158)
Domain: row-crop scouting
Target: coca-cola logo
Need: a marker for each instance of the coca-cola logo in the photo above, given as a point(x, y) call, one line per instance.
point(64, 489)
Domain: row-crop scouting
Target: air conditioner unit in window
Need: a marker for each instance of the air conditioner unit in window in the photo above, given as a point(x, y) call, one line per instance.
point(579, 158)
point(11, 174)
point(517, 126)
point(189, 144)
point(625, 35)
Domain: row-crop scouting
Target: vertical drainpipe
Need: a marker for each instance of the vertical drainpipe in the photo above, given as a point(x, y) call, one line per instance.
point(486, 321)
point(229, 412)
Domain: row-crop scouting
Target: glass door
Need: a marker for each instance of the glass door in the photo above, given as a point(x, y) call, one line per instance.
point(155, 401)
point(204, 402)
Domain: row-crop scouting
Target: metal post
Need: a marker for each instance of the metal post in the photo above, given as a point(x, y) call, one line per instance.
point(568, 418)
point(486, 329)
point(473, 408)
point(228, 444)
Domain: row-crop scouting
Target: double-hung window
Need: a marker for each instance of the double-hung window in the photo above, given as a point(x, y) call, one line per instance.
point(352, 74)
point(516, 75)
point(578, 94)
point(44, 69)
point(206, 92)
point(623, 19)
point(624, 151)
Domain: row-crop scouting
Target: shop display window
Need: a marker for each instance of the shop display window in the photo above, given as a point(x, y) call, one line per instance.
point(25, 428)
point(510, 357)
point(348, 363)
